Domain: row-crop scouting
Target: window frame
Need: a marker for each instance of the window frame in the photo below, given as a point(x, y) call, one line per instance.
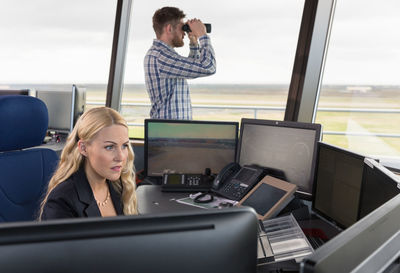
point(307, 69)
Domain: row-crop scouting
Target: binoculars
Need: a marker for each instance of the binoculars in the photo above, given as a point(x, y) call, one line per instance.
point(186, 28)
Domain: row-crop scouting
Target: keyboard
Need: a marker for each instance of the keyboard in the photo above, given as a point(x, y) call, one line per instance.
point(316, 241)
point(315, 236)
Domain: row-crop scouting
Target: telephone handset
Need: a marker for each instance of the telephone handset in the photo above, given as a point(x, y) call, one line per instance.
point(234, 182)
point(226, 172)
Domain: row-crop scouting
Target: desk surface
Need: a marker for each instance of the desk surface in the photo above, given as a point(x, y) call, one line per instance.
point(152, 200)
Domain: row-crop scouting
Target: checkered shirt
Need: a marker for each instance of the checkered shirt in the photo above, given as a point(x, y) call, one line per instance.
point(166, 74)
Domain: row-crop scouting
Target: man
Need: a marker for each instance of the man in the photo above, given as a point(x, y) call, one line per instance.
point(166, 72)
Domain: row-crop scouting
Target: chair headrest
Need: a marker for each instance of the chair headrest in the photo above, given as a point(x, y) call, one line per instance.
point(23, 122)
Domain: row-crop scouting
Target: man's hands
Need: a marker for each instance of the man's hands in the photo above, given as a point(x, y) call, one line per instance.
point(198, 30)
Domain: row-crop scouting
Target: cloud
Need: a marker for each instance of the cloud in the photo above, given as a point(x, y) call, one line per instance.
point(255, 41)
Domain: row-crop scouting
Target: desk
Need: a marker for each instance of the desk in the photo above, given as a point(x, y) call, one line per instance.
point(152, 200)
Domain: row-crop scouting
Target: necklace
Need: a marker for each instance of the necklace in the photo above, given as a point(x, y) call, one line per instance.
point(102, 204)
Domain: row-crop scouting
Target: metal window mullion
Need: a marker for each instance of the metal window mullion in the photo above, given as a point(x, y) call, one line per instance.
point(118, 56)
point(316, 60)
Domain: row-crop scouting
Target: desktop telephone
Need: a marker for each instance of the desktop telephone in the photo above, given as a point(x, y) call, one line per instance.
point(234, 182)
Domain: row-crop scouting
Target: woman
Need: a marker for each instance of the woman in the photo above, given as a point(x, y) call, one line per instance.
point(95, 175)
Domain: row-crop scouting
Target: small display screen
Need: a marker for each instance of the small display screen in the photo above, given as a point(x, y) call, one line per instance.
point(174, 179)
point(245, 175)
point(264, 198)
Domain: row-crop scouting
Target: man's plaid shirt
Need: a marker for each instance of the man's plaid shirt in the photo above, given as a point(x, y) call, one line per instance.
point(166, 74)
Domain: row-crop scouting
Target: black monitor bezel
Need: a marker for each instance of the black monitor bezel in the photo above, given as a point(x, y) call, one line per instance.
point(337, 149)
point(287, 124)
point(147, 121)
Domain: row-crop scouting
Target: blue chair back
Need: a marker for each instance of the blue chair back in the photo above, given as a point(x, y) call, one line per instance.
point(24, 171)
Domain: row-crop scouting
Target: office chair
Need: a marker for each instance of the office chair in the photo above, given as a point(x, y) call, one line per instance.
point(24, 171)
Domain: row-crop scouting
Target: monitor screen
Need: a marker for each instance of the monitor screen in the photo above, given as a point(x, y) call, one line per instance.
point(8, 92)
point(212, 241)
point(353, 247)
point(60, 105)
point(182, 146)
point(378, 186)
point(337, 185)
point(283, 145)
point(64, 107)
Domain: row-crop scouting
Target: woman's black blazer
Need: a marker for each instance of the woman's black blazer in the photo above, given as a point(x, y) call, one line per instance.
point(74, 198)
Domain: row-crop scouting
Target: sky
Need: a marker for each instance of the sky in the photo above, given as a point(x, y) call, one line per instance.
point(53, 41)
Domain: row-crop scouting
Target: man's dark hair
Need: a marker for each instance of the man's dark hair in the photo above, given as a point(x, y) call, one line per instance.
point(164, 16)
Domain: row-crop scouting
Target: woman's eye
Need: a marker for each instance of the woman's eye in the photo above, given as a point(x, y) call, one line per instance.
point(125, 146)
point(109, 147)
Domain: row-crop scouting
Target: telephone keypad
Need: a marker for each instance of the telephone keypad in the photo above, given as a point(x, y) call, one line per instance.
point(193, 180)
point(234, 190)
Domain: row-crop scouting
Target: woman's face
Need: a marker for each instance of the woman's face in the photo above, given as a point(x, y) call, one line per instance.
point(107, 153)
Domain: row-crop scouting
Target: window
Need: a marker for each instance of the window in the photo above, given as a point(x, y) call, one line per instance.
point(47, 44)
point(255, 44)
point(359, 104)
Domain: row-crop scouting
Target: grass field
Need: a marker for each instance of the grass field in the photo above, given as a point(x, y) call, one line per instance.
point(375, 97)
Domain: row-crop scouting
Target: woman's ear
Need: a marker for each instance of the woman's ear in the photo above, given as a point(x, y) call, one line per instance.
point(82, 148)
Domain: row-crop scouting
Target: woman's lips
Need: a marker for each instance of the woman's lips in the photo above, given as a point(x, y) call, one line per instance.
point(116, 168)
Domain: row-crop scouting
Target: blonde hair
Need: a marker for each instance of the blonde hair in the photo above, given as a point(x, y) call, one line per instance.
point(87, 126)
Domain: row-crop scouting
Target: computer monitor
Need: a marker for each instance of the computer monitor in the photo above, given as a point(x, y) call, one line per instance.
point(188, 146)
point(337, 184)
point(378, 186)
point(283, 145)
point(80, 102)
point(212, 241)
point(64, 107)
point(8, 92)
point(353, 247)
point(385, 259)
